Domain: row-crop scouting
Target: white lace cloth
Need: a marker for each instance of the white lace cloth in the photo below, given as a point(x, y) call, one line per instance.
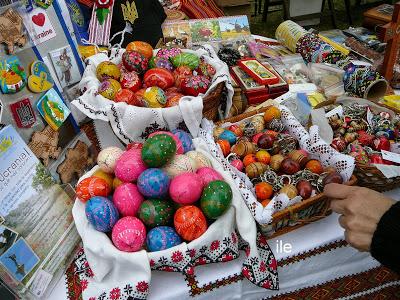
point(311, 142)
point(130, 122)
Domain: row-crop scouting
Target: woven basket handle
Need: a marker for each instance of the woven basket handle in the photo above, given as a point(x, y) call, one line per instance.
point(314, 218)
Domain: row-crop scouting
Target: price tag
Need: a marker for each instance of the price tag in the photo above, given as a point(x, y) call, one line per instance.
point(336, 111)
point(390, 156)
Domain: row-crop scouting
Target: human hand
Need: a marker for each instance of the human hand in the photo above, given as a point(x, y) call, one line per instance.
point(360, 209)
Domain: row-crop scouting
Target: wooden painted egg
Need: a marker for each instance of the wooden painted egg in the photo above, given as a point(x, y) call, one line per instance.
point(185, 138)
point(258, 122)
point(304, 188)
point(217, 131)
point(190, 222)
point(156, 212)
point(154, 97)
point(129, 234)
point(314, 166)
point(186, 188)
point(299, 156)
point(92, 186)
point(134, 61)
point(158, 150)
point(271, 113)
point(256, 137)
point(216, 199)
point(276, 161)
point(290, 190)
point(249, 130)
point(106, 70)
point(173, 100)
point(244, 148)
point(168, 53)
point(249, 159)
point(130, 165)
point(263, 191)
point(131, 81)
point(238, 164)
point(109, 88)
point(127, 96)
point(179, 146)
point(225, 147)
point(195, 85)
point(205, 69)
point(208, 174)
point(236, 130)
point(266, 141)
point(185, 59)
point(179, 164)
point(255, 169)
point(109, 178)
point(141, 47)
point(162, 238)
point(229, 136)
point(289, 166)
point(127, 199)
point(160, 62)
point(333, 177)
point(107, 158)
point(263, 157)
point(101, 213)
point(159, 77)
point(153, 183)
point(200, 159)
point(180, 74)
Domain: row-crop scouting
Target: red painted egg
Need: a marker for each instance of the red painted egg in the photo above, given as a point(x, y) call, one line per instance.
point(159, 77)
point(92, 186)
point(127, 96)
point(256, 137)
point(195, 85)
point(225, 147)
point(190, 222)
point(134, 145)
point(236, 130)
point(381, 143)
point(130, 80)
point(174, 99)
point(134, 61)
point(180, 74)
point(140, 97)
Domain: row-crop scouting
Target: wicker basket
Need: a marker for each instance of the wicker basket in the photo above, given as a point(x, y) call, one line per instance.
point(212, 102)
point(297, 215)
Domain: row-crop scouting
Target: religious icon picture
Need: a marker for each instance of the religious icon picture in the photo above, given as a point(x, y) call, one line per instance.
point(66, 66)
point(258, 72)
point(7, 238)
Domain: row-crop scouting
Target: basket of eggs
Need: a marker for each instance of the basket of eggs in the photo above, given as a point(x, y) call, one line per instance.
point(280, 168)
point(138, 85)
point(164, 204)
point(369, 133)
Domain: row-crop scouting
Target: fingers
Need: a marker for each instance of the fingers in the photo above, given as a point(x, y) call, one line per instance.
point(337, 191)
point(338, 206)
point(357, 224)
point(360, 241)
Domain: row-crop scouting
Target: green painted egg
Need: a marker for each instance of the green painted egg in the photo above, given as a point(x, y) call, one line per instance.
point(158, 150)
point(156, 212)
point(216, 199)
point(186, 59)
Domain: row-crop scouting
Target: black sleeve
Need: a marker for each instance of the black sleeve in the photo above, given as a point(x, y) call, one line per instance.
point(386, 239)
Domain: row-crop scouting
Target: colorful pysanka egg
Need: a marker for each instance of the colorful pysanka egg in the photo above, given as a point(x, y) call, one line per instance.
point(216, 199)
point(200, 159)
point(127, 96)
point(130, 165)
point(236, 129)
point(106, 70)
point(154, 97)
point(168, 53)
point(206, 69)
point(185, 138)
point(107, 158)
point(158, 150)
point(131, 81)
point(142, 47)
point(153, 183)
point(180, 74)
point(156, 212)
point(159, 77)
point(179, 164)
point(134, 145)
point(129, 234)
point(229, 136)
point(109, 88)
point(101, 213)
point(90, 187)
point(160, 62)
point(238, 164)
point(162, 238)
point(109, 178)
point(190, 223)
point(186, 59)
point(127, 199)
point(173, 100)
point(195, 85)
point(208, 174)
point(179, 146)
point(134, 61)
point(186, 188)
point(225, 147)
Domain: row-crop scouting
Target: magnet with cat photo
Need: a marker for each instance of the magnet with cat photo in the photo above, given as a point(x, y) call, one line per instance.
point(40, 79)
point(12, 75)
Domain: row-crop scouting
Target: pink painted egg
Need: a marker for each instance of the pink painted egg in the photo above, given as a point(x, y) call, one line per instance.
point(130, 165)
point(159, 77)
point(131, 81)
point(208, 174)
point(186, 188)
point(127, 199)
point(167, 53)
point(107, 158)
point(195, 85)
point(238, 164)
point(179, 146)
point(129, 234)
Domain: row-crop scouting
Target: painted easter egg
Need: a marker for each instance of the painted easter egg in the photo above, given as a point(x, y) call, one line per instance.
point(216, 199)
point(154, 97)
point(130, 165)
point(134, 61)
point(158, 150)
point(106, 70)
point(179, 164)
point(190, 223)
point(200, 158)
point(173, 100)
point(225, 147)
point(159, 77)
point(101, 213)
point(186, 59)
point(263, 157)
point(195, 85)
point(186, 188)
point(249, 159)
point(229, 136)
point(179, 146)
point(238, 164)
point(180, 74)
point(141, 47)
point(140, 97)
point(255, 169)
point(156, 212)
point(127, 199)
point(208, 174)
point(217, 131)
point(127, 96)
point(185, 138)
point(168, 53)
point(206, 69)
point(90, 187)
point(109, 178)
point(153, 183)
point(129, 234)
point(134, 145)
point(131, 81)
point(236, 129)
point(162, 238)
point(109, 88)
point(160, 62)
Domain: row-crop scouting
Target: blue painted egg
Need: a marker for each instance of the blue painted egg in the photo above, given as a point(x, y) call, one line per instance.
point(185, 138)
point(101, 213)
point(229, 136)
point(161, 238)
point(153, 183)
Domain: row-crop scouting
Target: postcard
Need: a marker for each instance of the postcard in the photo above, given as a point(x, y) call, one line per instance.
point(205, 31)
point(66, 67)
point(7, 238)
point(234, 27)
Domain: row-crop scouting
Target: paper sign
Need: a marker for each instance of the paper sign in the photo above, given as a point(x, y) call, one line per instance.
point(41, 282)
point(336, 111)
point(390, 156)
point(39, 26)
